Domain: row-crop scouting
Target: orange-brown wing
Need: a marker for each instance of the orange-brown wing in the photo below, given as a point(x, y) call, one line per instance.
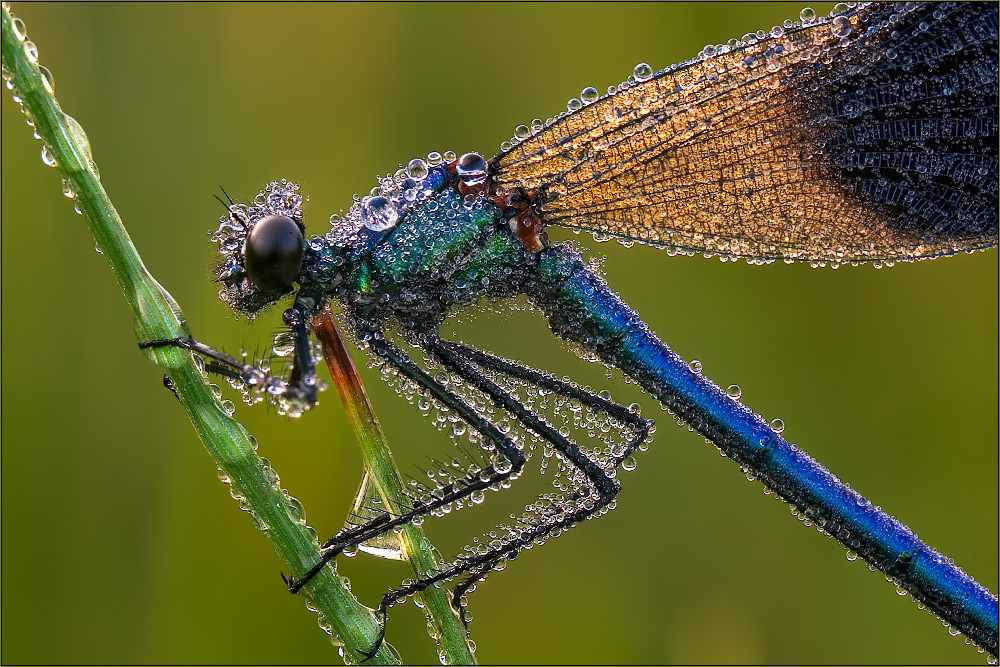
point(867, 136)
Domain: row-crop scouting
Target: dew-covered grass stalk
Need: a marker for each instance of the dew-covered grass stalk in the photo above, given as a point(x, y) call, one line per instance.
point(157, 316)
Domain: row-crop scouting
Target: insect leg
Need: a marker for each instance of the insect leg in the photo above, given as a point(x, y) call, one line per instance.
point(511, 461)
point(600, 476)
point(532, 376)
point(301, 384)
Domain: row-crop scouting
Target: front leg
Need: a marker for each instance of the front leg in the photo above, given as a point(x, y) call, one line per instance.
point(301, 386)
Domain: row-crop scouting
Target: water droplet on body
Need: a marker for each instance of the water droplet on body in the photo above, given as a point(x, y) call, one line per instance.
point(642, 72)
point(417, 169)
point(378, 213)
point(840, 26)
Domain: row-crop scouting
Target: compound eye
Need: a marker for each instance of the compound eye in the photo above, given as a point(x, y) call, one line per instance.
point(471, 168)
point(273, 253)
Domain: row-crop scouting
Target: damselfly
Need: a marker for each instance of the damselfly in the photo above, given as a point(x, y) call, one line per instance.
point(709, 366)
point(881, 148)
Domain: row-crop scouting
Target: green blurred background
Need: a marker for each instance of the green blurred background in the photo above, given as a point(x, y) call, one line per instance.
point(119, 543)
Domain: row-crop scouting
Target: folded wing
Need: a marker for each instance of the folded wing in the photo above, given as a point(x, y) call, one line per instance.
point(868, 136)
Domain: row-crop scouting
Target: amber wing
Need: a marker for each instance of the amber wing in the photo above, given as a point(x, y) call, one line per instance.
point(867, 136)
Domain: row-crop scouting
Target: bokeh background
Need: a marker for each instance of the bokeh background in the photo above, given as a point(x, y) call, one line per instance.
point(119, 543)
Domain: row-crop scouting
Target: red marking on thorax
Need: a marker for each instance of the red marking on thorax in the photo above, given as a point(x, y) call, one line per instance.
point(525, 224)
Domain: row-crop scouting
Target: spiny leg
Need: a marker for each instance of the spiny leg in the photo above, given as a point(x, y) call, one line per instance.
point(450, 353)
point(477, 566)
point(576, 506)
point(510, 465)
point(566, 389)
point(301, 385)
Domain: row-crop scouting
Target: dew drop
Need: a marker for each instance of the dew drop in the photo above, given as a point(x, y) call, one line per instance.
point(296, 512)
point(589, 95)
point(807, 15)
point(777, 425)
point(31, 51)
point(734, 392)
point(629, 463)
point(80, 136)
point(19, 30)
point(379, 214)
point(417, 169)
point(47, 159)
point(695, 366)
point(48, 81)
point(642, 72)
point(840, 26)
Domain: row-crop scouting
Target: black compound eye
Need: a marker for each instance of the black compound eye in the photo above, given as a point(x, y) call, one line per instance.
point(471, 168)
point(273, 253)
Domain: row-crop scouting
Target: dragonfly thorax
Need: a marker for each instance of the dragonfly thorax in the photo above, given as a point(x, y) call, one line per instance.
point(450, 249)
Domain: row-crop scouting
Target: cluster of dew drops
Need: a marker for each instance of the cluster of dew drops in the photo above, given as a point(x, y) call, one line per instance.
point(48, 85)
point(393, 197)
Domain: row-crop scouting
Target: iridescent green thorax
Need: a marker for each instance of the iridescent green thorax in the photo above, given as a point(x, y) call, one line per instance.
point(433, 239)
point(449, 250)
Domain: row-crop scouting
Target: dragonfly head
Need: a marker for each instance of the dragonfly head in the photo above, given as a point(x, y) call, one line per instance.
point(262, 246)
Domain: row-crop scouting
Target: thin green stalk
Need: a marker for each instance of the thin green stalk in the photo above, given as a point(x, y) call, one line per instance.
point(157, 316)
point(419, 553)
